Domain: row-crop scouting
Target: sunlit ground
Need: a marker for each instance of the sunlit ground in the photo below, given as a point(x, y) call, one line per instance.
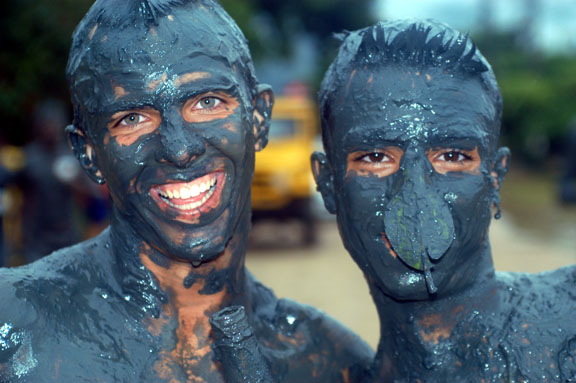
point(535, 233)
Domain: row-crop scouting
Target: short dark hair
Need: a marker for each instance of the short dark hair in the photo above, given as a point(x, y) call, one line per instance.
point(417, 44)
point(115, 16)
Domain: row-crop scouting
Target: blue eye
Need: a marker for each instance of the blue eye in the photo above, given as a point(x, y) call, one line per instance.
point(208, 103)
point(132, 119)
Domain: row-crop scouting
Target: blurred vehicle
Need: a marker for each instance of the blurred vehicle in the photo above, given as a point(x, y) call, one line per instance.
point(283, 184)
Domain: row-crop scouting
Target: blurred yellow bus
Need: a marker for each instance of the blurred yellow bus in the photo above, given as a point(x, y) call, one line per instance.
point(283, 183)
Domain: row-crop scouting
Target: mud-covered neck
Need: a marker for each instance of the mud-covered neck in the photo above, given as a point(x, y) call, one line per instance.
point(420, 334)
point(152, 282)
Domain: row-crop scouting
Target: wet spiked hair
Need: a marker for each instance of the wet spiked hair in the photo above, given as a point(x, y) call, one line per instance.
point(418, 44)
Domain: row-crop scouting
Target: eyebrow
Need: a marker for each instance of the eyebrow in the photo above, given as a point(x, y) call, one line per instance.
point(371, 140)
point(126, 103)
point(469, 142)
point(374, 134)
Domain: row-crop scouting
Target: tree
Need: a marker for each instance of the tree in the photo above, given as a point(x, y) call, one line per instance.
point(35, 37)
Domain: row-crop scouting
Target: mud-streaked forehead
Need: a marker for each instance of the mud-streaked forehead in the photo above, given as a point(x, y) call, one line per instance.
point(163, 85)
point(188, 40)
point(401, 104)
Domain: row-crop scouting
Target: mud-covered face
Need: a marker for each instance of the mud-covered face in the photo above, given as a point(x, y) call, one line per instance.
point(173, 139)
point(411, 154)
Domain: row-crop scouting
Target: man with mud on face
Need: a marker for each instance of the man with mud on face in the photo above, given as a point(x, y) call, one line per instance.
point(168, 113)
point(410, 120)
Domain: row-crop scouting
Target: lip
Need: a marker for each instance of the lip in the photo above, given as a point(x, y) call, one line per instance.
point(188, 201)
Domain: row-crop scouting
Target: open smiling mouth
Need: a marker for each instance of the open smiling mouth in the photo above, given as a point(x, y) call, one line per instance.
point(190, 199)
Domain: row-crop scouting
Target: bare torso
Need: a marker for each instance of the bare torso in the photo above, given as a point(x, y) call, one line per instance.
point(82, 315)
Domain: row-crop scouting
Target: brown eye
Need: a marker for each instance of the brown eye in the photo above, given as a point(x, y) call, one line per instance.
point(374, 157)
point(380, 162)
point(449, 160)
point(454, 156)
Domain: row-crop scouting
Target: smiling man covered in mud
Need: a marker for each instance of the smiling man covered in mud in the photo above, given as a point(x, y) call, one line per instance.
point(168, 113)
point(410, 119)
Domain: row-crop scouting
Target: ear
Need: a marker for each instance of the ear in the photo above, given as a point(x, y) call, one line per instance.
point(84, 152)
point(500, 166)
point(263, 103)
point(324, 180)
point(499, 171)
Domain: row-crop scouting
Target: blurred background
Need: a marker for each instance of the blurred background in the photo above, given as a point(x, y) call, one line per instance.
point(46, 203)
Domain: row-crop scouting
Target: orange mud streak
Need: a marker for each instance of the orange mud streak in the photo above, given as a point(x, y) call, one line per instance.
point(92, 32)
point(152, 85)
point(190, 77)
point(190, 310)
point(350, 79)
point(233, 128)
point(119, 92)
point(435, 328)
point(130, 139)
point(389, 246)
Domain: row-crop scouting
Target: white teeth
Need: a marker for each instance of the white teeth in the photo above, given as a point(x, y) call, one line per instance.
point(191, 192)
point(194, 191)
point(193, 205)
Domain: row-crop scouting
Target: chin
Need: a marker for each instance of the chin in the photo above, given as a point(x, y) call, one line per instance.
point(195, 243)
point(407, 286)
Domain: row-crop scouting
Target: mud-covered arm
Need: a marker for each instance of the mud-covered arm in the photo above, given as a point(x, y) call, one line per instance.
point(16, 357)
point(237, 348)
point(8, 344)
point(17, 318)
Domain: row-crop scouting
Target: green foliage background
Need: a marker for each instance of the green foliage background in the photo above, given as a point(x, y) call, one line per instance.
point(539, 95)
point(35, 36)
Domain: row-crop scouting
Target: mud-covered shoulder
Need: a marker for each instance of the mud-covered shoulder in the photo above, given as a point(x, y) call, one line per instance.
point(38, 303)
point(29, 293)
point(540, 323)
point(550, 295)
point(17, 321)
point(67, 271)
point(16, 316)
point(303, 341)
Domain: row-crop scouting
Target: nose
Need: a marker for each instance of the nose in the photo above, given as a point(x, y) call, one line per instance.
point(180, 143)
point(418, 221)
